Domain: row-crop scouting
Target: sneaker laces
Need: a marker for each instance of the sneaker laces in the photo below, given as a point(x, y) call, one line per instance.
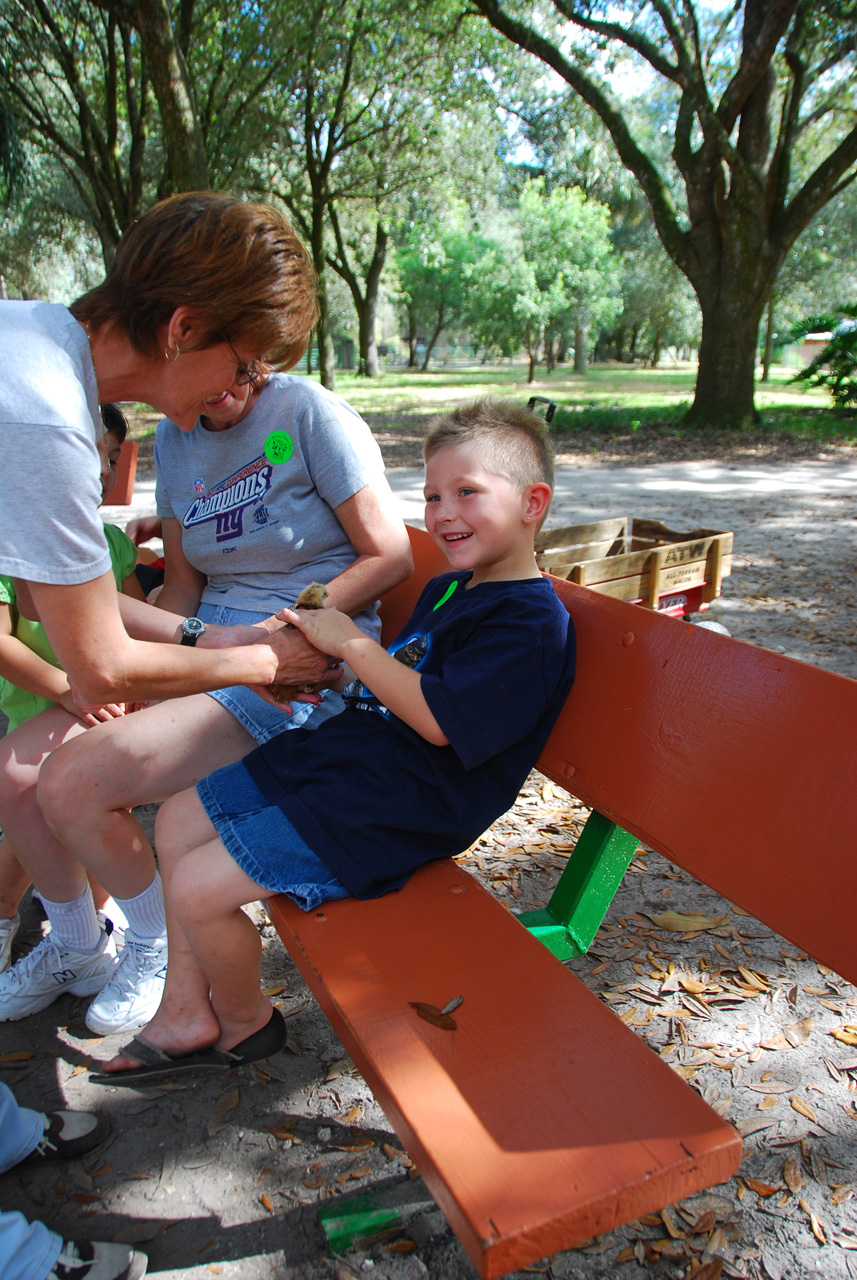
point(75, 1259)
point(138, 959)
point(35, 964)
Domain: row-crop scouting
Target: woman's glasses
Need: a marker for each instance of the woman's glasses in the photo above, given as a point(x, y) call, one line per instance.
point(244, 372)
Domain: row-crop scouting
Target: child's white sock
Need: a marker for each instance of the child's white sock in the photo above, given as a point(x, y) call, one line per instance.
point(74, 924)
point(145, 913)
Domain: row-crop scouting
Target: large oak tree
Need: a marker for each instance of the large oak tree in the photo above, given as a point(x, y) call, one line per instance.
point(762, 132)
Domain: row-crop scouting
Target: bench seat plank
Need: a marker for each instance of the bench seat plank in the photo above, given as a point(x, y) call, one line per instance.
point(542, 1120)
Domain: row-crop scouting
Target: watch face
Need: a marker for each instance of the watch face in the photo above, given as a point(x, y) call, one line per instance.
point(193, 627)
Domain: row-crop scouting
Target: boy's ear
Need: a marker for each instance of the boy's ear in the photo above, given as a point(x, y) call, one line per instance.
point(538, 498)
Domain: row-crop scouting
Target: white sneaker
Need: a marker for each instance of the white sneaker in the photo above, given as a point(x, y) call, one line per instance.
point(48, 971)
point(131, 998)
point(8, 929)
point(93, 1260)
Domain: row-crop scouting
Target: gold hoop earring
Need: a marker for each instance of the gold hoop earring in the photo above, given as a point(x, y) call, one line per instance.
point(172, 359)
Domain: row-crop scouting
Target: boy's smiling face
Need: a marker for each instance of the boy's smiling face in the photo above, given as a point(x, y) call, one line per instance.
point(480, 519)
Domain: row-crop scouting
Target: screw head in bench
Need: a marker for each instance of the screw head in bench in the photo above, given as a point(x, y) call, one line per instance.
point(456, 888)
point(628, 639)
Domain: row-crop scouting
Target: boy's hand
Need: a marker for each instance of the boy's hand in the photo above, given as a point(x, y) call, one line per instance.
point(327, 629)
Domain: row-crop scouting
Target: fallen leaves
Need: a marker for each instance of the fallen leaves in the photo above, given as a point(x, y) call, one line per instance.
point(763, 1189)
point(440, 1018)
point(676, 922)
point(798, 1033)
point(846, 1034)
point(227, 1102)
point(815, 1225)
point(792, 1175)
point(803, 1109)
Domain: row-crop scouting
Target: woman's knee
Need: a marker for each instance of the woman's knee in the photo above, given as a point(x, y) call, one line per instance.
point(68, 787)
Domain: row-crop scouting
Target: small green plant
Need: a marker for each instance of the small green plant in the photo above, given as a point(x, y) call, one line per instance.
point(834, 369)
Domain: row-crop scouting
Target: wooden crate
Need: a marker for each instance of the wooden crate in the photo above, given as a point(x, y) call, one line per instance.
point(648, 564)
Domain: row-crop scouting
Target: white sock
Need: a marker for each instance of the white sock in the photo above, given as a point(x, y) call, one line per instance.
point(145, 913)
point(74, 924)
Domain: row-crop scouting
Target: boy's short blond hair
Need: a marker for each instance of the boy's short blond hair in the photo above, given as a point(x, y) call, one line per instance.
point(515, 440)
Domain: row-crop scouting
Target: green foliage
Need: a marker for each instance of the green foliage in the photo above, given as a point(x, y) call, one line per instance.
point(13, 159)
point(554, 273)
point(834, 369)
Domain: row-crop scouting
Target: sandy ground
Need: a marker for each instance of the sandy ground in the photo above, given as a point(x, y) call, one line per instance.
point(225, 1177)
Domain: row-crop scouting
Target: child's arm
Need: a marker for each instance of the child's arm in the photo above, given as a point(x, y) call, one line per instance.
point(397, 686)
point(26, 670)
point(131, 587)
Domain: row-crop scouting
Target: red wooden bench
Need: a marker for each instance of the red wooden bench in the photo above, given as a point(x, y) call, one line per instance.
point(543, 1120)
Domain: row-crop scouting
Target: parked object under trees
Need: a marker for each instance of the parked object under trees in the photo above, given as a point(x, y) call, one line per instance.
point(834, 368)
point(762, 138)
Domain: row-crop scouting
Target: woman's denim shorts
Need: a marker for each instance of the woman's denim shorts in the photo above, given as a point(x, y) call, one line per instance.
point(263, 842)
point(262, 719)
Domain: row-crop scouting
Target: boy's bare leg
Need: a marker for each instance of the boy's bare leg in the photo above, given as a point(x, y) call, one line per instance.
point(85, 792)
point(212, 994)
point(14, 880)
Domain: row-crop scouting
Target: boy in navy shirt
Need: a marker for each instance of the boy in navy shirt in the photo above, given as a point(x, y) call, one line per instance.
point(436, 742)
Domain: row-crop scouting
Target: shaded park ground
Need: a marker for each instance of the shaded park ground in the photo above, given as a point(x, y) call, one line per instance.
point(225, 1177)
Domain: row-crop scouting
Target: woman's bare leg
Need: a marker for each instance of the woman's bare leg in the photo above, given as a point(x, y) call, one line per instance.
point(86, 791)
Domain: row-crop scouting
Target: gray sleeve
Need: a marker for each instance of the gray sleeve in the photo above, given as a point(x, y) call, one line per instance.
point(50, 489)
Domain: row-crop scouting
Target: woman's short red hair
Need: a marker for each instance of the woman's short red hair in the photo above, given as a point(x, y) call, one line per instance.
point(238, 266)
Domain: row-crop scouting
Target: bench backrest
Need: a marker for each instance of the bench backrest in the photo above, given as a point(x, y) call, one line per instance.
point(736, 763)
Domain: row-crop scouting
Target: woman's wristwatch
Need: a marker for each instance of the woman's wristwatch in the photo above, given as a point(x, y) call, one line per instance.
point(192, 629)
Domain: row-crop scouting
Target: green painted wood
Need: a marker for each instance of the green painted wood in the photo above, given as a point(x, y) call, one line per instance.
point(585, 889)
point(357, 1223)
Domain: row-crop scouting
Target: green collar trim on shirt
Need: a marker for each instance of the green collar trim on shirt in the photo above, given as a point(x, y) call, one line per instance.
point(446, 594)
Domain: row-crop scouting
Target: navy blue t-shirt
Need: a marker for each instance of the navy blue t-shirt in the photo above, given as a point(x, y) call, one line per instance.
point(371, 797)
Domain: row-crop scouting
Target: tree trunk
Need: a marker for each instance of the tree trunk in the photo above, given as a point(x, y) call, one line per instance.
point(183, 137)
point(725, 380)
point(326, 354)
point(366, 312)
point(365, 295)
point(438, 330)
point(768, 356)
point(581, 339)
point(326, 357)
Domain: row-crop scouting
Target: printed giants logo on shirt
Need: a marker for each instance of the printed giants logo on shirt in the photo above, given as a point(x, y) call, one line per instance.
point(226, 502)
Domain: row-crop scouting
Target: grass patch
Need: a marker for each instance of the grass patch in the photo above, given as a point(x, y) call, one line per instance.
point(608, 400)
point(608, 403)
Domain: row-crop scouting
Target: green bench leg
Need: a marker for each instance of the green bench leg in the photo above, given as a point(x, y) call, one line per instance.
point(360, 1221)
point(585, 890)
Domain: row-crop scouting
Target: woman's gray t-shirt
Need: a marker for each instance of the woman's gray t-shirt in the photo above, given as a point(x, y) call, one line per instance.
point(256, 502)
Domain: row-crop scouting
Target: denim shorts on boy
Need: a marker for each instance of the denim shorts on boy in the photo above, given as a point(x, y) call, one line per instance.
point(246, 821)
point(262, 719)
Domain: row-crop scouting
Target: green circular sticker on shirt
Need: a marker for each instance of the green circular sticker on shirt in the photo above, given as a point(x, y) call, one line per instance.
point(278, 447)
